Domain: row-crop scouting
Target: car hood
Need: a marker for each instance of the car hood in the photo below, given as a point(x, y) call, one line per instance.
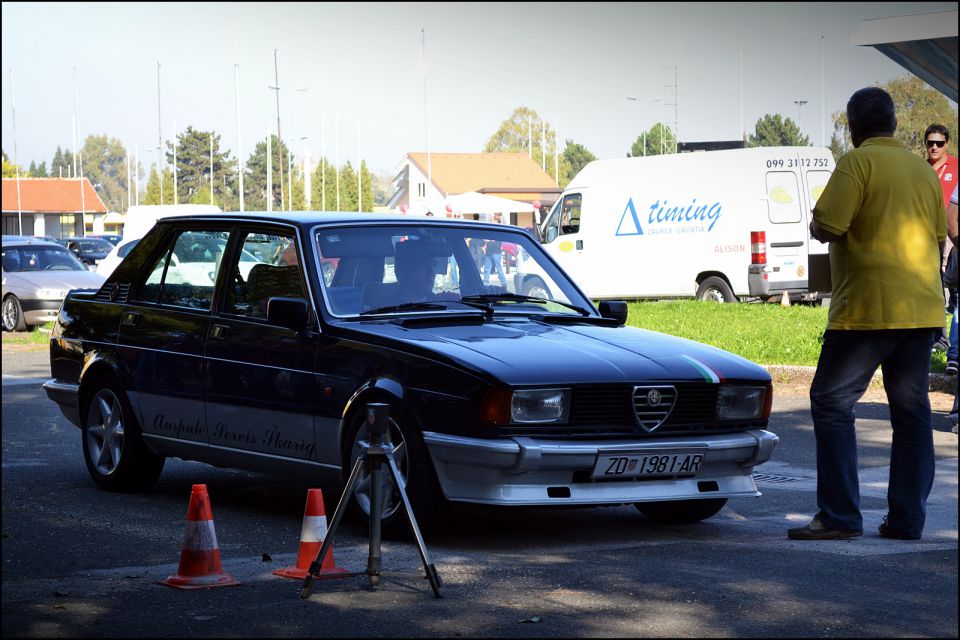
point(62, 280)
point(533, 352)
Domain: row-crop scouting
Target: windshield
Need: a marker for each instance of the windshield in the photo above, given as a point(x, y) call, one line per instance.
point(94, 245)
point(441, 268)
point(40, 258)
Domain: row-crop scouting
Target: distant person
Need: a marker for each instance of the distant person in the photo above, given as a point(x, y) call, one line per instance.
point(952, 224)
point(493, 257)
point(882, 214)
point(937, 139)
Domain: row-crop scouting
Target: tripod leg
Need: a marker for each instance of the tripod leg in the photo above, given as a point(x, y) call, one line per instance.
point(428, 566)
point(337, 516)
point(376, 509)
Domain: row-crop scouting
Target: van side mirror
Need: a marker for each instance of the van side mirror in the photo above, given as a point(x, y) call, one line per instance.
point(287, 312)
point(615, 310)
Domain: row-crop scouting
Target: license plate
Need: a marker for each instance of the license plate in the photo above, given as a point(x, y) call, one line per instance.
point(649, 464)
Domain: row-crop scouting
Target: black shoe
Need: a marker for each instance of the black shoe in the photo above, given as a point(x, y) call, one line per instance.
point(886, 531)
point(816, 530)
point(951, 369)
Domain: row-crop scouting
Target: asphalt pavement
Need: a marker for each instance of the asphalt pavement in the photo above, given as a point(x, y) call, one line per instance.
point(80, 562)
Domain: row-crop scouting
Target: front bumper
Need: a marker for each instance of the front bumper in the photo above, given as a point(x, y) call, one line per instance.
point(40, 311)
point(538, 471)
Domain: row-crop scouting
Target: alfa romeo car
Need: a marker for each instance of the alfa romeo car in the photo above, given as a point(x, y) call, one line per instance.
point(519, 392)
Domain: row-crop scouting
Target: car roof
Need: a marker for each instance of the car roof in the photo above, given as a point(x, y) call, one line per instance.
point(9, 241)
point(307, 219)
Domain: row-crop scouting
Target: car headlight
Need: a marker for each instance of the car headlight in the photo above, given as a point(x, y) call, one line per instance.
point(52, 294)
point(526, 406)
point(741, 402)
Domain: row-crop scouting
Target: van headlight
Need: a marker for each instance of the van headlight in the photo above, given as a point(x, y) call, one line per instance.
point(737, 402)
point(526, 406)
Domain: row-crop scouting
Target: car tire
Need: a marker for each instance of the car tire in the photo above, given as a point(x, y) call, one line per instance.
point(113, 448)
point(681, 511)
point(413, 464)
point(715, 289)
point(13, 314)
point(536, 288)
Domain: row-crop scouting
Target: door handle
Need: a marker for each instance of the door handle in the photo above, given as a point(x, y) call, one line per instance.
point(130, 319)
point(219, 331)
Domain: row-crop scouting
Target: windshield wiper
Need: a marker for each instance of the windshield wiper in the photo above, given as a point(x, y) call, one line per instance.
point(515, 297)
point(406, 306)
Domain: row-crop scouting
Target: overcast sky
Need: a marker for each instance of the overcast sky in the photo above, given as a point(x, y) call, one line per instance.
point(573, 63)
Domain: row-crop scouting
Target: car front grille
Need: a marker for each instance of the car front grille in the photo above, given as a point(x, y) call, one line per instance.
point(620, 410)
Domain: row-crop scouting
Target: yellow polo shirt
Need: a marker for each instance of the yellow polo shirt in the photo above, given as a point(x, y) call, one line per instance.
point(886, 203)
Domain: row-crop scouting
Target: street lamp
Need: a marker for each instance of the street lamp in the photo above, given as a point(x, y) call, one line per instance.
point(800, 104)
point(643, 109)
point(292, 142)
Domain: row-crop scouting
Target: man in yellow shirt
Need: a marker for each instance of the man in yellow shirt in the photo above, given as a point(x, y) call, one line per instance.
point(882, 212)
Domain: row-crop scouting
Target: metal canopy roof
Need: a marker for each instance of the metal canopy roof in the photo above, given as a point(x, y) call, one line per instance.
point(924, 44)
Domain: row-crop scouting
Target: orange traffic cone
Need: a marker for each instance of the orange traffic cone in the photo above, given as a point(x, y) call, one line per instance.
point(199, 555)
point(312, 533)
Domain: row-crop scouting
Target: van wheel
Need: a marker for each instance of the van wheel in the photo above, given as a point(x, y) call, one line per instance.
point(681, 511)
point(714, 289)
point(535, 288)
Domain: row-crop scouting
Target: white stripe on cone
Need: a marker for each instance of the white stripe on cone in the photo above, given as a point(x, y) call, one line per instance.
point(314, 529)
point(199, 536)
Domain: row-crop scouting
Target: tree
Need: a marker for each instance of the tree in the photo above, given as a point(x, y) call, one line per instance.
point(348, 188)
point(323, 198)
point(575, 157)
point(62, 165)
point(152, 195)
point(105, 165)
point(38, 171)
point(519, 132)
point(775, 131)
point(193, 166)
point(660, 139)
point(255, 177)
point(917, 105)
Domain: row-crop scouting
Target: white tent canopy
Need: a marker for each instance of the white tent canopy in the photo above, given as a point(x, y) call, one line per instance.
point(486, 204)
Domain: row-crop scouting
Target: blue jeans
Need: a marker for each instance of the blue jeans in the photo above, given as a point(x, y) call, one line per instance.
point(848, 360)
point(952, 349)
point(494, 259)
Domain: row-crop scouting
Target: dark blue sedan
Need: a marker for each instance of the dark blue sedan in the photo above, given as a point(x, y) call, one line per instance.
point(505, 386)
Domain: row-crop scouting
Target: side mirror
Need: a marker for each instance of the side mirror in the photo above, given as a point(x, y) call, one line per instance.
point(615, 310)
point(287, 312)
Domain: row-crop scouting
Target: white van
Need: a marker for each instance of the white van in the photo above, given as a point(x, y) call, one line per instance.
point(718, 225)
point(140, 219)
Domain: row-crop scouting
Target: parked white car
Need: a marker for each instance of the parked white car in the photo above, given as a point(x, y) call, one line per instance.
point(36, 278)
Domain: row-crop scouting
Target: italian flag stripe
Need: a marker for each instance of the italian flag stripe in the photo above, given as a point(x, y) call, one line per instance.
point(708, 374)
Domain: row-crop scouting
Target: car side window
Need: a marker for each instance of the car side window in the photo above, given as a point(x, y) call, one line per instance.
point(185, 274)
point(267, 266)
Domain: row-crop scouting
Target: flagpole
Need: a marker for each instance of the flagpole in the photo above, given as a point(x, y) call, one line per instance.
point(83, 202)
point(426, 120)
point(269, 170)
point(16, 163)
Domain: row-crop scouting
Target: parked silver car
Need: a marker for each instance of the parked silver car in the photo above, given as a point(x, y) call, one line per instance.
point(36, 277)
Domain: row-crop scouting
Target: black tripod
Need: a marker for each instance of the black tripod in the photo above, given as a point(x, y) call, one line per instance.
point(373, 455)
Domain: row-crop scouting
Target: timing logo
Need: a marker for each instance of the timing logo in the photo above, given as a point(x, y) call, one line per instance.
point(664, 219)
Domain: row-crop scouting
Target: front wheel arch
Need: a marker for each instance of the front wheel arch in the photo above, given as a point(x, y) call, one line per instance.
point(420, 479)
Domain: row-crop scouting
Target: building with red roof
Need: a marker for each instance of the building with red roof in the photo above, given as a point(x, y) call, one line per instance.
point(49, 206)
